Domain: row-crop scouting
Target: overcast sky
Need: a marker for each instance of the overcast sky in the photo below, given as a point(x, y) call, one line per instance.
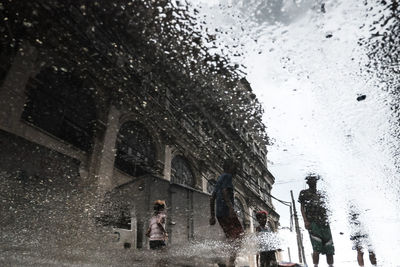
point(307, 69)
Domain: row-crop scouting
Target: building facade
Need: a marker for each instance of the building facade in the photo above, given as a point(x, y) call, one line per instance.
point(85, 153)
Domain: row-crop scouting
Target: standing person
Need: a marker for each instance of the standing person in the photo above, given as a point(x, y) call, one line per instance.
point(156, 231)
point(316, 222)
point(360, 238)
point(226, 214)
point(266, 258)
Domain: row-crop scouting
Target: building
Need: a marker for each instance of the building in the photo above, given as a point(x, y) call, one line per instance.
point(89, 140)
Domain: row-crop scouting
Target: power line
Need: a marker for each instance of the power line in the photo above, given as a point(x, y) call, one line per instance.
point(287, 203)
point(207, 179)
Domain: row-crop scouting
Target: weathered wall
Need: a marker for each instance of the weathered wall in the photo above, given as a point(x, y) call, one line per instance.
point(40, 194)
point(187, 209)
point(50, 190)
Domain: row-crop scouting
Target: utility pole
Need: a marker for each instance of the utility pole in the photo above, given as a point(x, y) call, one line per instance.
point(291, 219)
point(298, 234)
point(302, 250)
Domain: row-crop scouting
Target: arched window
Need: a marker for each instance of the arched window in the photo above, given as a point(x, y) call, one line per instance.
point(136, 153)
point(7, 55)
point(59, 103)
point(181, 172)
point(211, 185)
point(238, 206)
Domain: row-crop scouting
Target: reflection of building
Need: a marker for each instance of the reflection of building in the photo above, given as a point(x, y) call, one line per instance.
point(75, 150)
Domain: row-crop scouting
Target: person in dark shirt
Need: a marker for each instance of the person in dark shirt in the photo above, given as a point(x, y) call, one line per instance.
point(315, 218)
point(360, 237)
point(226, 214)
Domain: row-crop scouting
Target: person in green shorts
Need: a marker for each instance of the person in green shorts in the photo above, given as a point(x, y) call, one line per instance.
point(313, 209)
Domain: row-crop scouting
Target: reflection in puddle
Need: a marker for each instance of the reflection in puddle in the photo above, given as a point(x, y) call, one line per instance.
point(204, 253)
point(106, 107)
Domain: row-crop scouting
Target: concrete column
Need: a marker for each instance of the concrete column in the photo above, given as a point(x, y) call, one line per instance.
point(252, 258)
point(167, 162)
point(12, 92)
point(159, 167)
point(204, 183)
point(250, 211)
point(134, 227)
point(103, 157)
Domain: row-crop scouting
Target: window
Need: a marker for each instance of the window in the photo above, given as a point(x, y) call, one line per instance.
point(7, 55)
point(136, 152)
point(181, 172)
point(59, 103)
point(123, 221)
point(211, 185)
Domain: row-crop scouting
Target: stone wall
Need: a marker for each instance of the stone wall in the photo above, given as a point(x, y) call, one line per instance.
point(41, 196)
point(187, 210)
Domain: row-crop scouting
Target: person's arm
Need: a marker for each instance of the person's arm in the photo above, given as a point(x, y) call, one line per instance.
point(226, 193)
point(258, 253)
point(307, 224)
point(217, 189)
point(212, 209)
point(302, 199)
point(148, 232)
point(161, 222)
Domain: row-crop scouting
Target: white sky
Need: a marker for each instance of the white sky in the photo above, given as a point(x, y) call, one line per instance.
point(308, 84)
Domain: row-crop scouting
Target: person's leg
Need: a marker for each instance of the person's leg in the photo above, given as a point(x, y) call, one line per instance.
point(316, 242)
point(263, 259)
point(327, 244)
point(231, 227)
point(152, 244)
point(329, 259)
point(223, 222)
point(271, 259)
point(235, 244)
point(315, 258)
point(233, 231)
point(232, 260)
point(226, 226)
point(360, 257)
point(372, 258)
